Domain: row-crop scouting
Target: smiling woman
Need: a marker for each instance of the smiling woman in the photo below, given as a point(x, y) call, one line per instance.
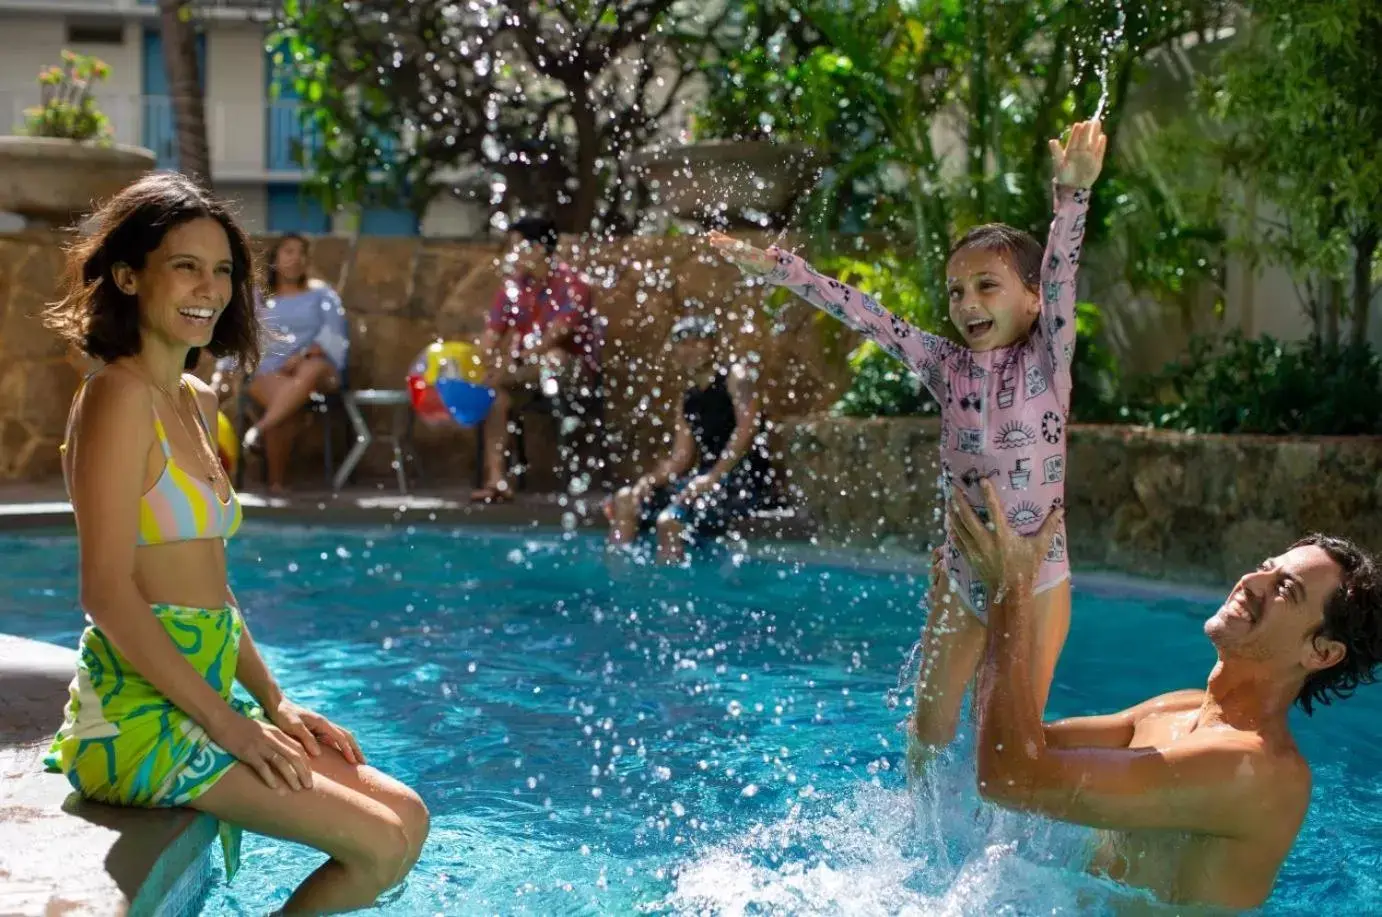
point(152, 720)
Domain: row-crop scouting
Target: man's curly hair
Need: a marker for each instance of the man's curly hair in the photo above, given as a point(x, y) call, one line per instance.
point(1353, 616)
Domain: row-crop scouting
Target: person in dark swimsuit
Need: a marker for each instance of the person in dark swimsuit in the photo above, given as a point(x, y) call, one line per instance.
point(719, 469)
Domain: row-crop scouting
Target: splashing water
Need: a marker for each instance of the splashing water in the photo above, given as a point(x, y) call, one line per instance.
point(1106, 45)
point(616, 739)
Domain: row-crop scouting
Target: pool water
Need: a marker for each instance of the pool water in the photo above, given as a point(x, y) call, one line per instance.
point(595, 736)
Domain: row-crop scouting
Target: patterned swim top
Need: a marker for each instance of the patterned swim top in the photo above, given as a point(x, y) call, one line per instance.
point(182, 506)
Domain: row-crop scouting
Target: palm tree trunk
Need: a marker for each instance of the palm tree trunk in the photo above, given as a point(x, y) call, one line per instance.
point(189, 114)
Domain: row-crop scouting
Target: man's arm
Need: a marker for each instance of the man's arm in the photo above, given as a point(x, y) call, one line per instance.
point(1115, 730)
point(1206, 783)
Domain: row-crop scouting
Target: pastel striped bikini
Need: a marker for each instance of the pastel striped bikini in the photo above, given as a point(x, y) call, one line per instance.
point(122, 741)
point(180, 506)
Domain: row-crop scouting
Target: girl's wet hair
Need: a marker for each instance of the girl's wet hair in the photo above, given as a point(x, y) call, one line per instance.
point(1023, 253)
point(102, 320)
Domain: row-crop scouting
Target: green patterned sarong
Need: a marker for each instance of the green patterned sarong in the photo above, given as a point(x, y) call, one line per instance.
point(122, 742)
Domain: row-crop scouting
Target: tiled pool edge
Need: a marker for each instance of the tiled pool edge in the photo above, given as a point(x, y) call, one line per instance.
point(65, 855)
point(181, 877)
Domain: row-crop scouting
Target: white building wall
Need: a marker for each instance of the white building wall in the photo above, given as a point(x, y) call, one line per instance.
point(235, 95)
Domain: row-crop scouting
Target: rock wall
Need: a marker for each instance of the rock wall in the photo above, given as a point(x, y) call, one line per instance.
point(36, 380)
point(1200, 509)
point(402, 293)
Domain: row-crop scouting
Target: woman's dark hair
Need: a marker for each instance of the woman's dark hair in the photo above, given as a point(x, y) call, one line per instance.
point(538, 231)
point(271, 269)
point(1022, 252)
point(103, 321)
point(1353, 616)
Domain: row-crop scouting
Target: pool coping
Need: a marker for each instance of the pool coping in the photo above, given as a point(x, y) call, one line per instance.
point(60, 854)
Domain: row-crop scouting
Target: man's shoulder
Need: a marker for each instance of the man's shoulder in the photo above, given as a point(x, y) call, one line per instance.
point(1170, 702)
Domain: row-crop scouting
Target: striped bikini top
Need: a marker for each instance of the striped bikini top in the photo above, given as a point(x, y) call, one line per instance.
point(182, 506)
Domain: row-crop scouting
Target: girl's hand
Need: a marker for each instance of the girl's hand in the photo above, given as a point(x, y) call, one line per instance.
point(313, 730)
point(1081, 160)
point(753, 261)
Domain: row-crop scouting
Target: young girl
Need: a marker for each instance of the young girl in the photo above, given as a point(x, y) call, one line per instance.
point(1004, 402)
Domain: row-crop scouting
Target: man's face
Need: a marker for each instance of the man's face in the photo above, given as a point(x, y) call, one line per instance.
point(1274, 612)
point(524, 258)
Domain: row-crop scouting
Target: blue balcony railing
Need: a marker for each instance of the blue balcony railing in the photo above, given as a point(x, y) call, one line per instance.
point(159, 129)
point(289, 142)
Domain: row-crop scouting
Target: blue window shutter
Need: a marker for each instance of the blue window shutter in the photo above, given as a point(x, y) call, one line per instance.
point(291, 209)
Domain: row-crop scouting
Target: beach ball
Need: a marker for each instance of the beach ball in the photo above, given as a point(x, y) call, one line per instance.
point(467, 402)
point(227, 443)
point(461, 357)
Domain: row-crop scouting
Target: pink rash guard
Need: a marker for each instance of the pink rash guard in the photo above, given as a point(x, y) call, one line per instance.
point(1003, 412)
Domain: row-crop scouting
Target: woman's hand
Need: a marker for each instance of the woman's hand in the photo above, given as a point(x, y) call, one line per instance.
point(698, 486)
point(1002, 558)
point(1081, 160)
point(266, 750)
point(753, 261)
point(312, 730)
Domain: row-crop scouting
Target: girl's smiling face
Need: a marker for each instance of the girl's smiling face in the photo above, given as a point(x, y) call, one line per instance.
point(989, 303)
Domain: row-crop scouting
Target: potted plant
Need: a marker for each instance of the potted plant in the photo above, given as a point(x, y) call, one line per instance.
point(747, 162)
point(64, 161)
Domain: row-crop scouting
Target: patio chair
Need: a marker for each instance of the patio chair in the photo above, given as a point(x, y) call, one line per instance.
point(327, 406)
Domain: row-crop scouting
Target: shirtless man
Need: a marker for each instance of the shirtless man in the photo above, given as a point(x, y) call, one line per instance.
point(1200, 793)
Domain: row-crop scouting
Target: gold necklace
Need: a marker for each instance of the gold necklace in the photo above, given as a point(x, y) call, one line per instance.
point(213, 476)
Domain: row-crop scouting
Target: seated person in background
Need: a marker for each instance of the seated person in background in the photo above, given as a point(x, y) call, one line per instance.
point(719, 469)
point(307, 351)
point(1200, 793)
point(306, 354)
point(541, 341)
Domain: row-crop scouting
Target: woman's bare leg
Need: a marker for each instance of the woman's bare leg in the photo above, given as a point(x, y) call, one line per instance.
point(278, 450)
point(671, 541)
point(282, 396)
point(371, 826)
point(627, 505)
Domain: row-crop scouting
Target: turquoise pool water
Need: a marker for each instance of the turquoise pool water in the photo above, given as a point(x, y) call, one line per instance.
point(604, 738)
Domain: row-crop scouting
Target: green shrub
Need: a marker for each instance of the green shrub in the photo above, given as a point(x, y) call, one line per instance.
point(67, 109)
point(1260, 385)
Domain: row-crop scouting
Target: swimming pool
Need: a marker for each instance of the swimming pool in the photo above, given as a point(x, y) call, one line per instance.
point(598, 737)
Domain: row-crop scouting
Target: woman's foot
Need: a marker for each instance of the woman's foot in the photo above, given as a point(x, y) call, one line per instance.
point(498, 493)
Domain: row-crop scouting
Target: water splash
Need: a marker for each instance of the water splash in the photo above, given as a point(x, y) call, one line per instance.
point(1106, 44)
point(935, 851)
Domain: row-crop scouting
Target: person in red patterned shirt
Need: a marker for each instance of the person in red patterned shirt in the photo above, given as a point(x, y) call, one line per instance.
point(541, 340)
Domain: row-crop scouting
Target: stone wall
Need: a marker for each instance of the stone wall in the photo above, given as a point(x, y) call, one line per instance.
point(402, 293)
point(36, 379)
point(1201, 509)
